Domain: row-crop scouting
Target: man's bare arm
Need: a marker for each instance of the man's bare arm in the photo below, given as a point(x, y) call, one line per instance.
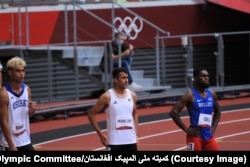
point(32, 104)
point(217, 113)
point(4, 100)
point(135, 113)
point(100, 104)
point(174, 113)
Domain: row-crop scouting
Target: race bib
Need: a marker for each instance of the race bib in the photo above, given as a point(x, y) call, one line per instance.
point(190, 146)
point(124, 122)
point(18, 129)
point(205, 119)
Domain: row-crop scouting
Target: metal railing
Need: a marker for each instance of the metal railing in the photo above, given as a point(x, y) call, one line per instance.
point(186, 41)
point(160, 36)
point(75, 4)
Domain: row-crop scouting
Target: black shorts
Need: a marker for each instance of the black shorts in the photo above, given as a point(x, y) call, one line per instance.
point(123, 147)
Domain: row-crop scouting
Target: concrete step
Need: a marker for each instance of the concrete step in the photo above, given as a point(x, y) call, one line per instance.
point(152, 89)
point(145, 82)
point(137, 73)
point(94, 70)
point(86, 55)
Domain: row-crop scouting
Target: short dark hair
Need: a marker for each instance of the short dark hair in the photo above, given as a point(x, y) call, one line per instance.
point(116, 71)
point(198, 70)
point(119, 33)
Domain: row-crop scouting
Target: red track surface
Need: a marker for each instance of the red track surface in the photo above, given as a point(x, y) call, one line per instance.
point(233, 132)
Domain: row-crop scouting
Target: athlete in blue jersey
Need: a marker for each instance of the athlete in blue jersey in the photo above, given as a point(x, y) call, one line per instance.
point(204, 111)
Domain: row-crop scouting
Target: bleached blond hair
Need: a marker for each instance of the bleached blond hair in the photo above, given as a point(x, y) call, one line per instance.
point(15, 61)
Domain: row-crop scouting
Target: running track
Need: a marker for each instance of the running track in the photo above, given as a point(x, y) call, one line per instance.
point(161, 134)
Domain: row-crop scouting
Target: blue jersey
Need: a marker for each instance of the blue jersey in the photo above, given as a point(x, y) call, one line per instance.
point(201, 113)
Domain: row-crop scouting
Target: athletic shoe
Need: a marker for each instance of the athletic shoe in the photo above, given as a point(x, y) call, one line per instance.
point(134, 86)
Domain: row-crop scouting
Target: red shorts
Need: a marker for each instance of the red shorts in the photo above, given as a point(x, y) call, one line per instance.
point(197, 144)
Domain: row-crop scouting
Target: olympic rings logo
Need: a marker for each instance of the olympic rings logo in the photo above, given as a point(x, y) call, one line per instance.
point(129, 26)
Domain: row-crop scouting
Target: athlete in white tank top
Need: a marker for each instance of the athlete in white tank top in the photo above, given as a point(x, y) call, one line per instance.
point(120, 123)
point(122, 117)
point(18, 109)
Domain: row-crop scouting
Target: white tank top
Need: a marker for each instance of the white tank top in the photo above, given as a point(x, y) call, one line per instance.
point(120, 122)
point(18, 109)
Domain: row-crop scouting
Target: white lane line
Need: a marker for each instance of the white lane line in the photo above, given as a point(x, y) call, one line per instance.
point(144, 137)
point(175, 131)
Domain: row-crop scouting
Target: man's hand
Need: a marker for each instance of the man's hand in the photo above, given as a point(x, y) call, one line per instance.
point(193, 131)
point(131, 47)
point(32, 108)
point(104, 139)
